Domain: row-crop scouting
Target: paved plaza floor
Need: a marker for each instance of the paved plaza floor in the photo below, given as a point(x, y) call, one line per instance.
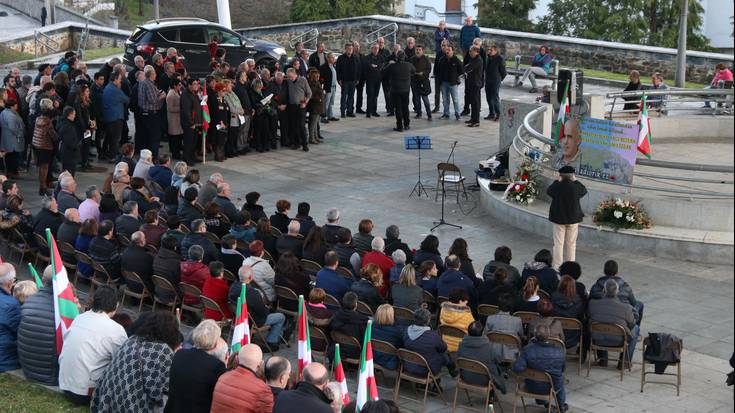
point(363, 169)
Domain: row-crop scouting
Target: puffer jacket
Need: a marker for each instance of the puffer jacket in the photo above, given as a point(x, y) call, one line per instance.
point(454, 315)
point(9, 320)
point(37, 339)
point(44, 135)
point(546, 357)
point(194, 273)
point(548, 278)
point(240, 390)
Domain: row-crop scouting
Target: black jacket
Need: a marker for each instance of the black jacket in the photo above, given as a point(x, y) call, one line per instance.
point(475, 73)
point(68, 232)
point(69, 138)
point(449, 69)
point(243, 93)
point(167, 264)
point(144, 205)
point(367, 293)
point(325, 73)
point(304, 398)
point(350, 323)
point(189, 105)
point(37, 339)
point(514, 277)
point(565, 208)
point(288, 243)
point(188, 212)
point(393, 244)
point(127, 224)
point(489, 292)
point(211, 253)
point(400, 76)
point(280, 221)
point(105, 252)
point(256, 211)
point(136, 259)
point(390, 334)
point(348, 68)
point(495, 70)
point(373, 67)
point(226, 207)
point(548, 278)
point(422, 256)
point(256, 307)
point(479, 349)
point(192, 378)
point(47, 219)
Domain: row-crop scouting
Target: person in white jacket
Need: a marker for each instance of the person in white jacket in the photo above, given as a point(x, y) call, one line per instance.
point(263, 273)
point(89, 345)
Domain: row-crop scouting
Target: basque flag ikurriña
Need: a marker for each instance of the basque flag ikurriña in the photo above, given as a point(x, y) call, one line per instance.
point(65, 303)
point(205, 121)
point(367, 389)
point(241, 331)
point(304, 340)
point(645, 139)
point(564, 114)
point(339, 375)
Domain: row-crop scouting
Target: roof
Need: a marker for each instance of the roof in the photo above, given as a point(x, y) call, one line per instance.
point(179, 21)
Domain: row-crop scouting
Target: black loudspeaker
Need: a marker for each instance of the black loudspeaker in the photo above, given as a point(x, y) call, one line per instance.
point(576, 79)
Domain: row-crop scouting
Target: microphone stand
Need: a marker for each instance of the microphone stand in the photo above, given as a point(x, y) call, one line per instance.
point(444, 194)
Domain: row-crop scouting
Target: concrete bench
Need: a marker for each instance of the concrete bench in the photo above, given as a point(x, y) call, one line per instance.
point(517, 70)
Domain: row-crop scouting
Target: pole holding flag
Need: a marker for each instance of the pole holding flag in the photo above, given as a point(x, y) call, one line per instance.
point(241, 331)
point(645, 139)
point(39, 283)
point(339, 375)
point(565, 112)
point(304, 338)
point(65, 303)
point(367, 388)
point(205, 122)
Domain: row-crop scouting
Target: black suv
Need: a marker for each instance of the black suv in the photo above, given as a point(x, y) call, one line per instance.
point(191, 36)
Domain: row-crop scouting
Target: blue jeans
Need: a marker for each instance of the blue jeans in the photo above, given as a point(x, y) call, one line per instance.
point(543, 388)
point(330, 102)
point(275, 321)
point(448, 89)
point(347, 98)
point(631, 345)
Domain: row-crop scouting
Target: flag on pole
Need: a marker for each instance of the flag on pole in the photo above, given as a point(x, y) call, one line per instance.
point(564, 113)
point(645, 140)
point(241, 332)
point(65, 303)
point(490, 408)
point(304, 340)
point(339, 375)
point(39, 283)
point(367, 389)
point(1, 260)
point(205, 121)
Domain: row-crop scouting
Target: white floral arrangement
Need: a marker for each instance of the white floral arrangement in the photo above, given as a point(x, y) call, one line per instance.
point(619, 213)
point(524, 187)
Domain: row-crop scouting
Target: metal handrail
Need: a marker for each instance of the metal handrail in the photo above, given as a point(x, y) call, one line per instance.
point(666, 97)
point(44, 40)
point(526, 128)
point(310, 36)
point(393, 30)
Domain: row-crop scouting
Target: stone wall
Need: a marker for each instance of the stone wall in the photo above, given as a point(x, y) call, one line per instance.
point(67, 36)
point(571, 52)
point(32, 8)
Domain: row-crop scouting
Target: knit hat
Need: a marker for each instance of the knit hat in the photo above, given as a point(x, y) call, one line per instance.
point(566, 169)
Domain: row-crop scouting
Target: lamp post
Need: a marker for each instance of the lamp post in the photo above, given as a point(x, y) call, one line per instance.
point(681, 55)
point(223, 13)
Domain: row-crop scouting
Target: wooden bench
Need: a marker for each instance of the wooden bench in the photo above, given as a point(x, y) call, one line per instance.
point(522, 62)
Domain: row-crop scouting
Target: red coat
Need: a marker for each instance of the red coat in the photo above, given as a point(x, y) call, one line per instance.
point(216, 289)
point(194, 273)
point(241, 391)
point(385, 263)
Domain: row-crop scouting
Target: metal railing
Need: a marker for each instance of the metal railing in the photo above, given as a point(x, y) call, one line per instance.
point(306, 38)
point(83, 39)
point(389, 30)
point(528, 141)
point(671, 100)
point(42, 39)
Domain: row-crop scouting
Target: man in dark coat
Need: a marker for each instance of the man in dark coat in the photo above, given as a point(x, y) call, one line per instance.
point(330, 280)
point(129, 221)
point(401, 73)
point(625, 292)
point(420, 338)
point(292, 241)
point(190, 110)
point(495, 72)
point(37, 335)
point(103, 249)
point(350, 322)
point(473, 84)
point(610, 310)
point(565, 211)
point(136, 259)
point(188, 210)
point(420, 84)
point(373, 74)
point(547, 357)
point(69, 229)
point(197, 237)
point(48, 217)
point(308, 396)
point(348, 73)
point(448, 70)
point(453, 278)
point(476, 346)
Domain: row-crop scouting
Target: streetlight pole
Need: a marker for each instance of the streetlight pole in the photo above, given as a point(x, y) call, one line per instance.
point(681, 55)
point(223, 13)
point(156, 8)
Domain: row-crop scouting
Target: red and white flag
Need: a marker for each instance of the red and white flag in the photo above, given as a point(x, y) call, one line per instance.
point(304, 341)
point(645, 140)
point(339, 375)
point(241, 331)
point(65, 303)
point(367, 389)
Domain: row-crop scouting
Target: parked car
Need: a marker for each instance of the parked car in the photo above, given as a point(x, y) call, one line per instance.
point(191, 36)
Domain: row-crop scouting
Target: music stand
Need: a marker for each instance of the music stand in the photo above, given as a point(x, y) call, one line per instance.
point(418, 143)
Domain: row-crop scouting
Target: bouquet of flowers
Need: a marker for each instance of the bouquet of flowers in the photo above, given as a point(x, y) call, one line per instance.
point(524, 187)
point(618, 213)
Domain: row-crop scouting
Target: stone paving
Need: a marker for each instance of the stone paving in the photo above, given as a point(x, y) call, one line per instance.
point(363, 169)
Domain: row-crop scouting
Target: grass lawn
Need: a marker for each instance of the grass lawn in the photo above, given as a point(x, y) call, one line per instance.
point(104, 52)
point(624, 77)
point(8, 55)
point(20, 396)
point(132, 18)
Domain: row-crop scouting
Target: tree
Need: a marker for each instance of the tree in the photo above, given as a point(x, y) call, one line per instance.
point(651, 22)
point(506, 14)
point(311, 10)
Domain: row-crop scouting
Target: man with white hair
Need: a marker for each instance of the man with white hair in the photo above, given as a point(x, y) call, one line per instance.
point(139, 63)
point(89, 345)
point(66, 197)
point(209, 190)
point(48, 217)
point(149, 103)
point(90, 207)
point(225, 204)
point(9, 319)
point(135, 258)
point(378, 257)
point(257, 308)
point(291, 241)
point(241, 390)
point(195, 371)
point(69, 229)
point(332, 227)
point(144, 164)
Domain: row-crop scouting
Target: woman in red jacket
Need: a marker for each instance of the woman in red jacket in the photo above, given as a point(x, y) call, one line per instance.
point(216, 288)
point(194, 272)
